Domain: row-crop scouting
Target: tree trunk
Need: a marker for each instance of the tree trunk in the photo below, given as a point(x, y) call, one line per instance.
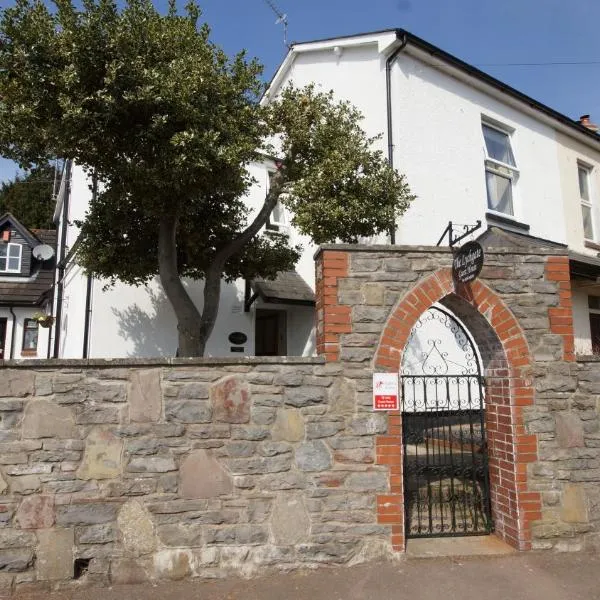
point(195, 329)
point(191, 342)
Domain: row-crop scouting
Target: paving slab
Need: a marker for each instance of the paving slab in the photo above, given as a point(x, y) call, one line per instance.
point(484, 545)
point(520, 576)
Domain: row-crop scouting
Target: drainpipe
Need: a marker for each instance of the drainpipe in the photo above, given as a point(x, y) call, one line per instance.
point(61, 258)
point(401, 35)
point(88, 290)
point(12, 333)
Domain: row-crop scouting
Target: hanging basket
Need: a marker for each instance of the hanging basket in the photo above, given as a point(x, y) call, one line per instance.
point(44, 320)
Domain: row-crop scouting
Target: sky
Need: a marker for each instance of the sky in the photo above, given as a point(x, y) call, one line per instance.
point(501, 37)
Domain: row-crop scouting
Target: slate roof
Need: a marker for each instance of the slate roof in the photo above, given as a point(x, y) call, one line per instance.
point(287, 288)
point(38, 287)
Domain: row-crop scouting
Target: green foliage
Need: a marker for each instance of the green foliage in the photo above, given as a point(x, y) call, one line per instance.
point(29, 197)
point(168, 125)
point(338, 187)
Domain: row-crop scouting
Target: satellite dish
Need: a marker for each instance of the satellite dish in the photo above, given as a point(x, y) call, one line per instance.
point(43, 252)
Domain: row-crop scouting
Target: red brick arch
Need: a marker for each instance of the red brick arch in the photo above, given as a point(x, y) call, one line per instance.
point(507, 361)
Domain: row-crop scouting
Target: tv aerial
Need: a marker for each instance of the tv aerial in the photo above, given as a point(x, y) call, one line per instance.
point(282, 19)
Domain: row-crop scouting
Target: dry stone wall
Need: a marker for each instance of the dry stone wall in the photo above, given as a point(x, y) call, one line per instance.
point(132, 472)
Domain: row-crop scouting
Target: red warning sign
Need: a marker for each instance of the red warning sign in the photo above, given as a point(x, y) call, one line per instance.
point(385, 391)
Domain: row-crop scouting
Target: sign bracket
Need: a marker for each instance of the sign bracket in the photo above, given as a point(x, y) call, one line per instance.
point(462, 232)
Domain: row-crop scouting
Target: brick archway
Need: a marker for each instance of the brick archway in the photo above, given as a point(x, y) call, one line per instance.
point(506, 362)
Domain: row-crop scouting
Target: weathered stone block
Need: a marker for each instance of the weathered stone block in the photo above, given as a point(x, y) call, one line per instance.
point(36, 512)
point(574, 504)
point(136, 529)
point(203, 476)
point(86, 514)
point(569, 430)
point(181, 536)
point(128, 571)
point(152, 464)
point(290, 522)
point(304, 396)
point(25, 484)
point(15, 538)
point(370, 424)
point(99, 414)
point(173, 564)
point(373, 481)
point(313, 456)
point(323, 429)
point(44, 419)
point(103, 457)
point(55, 554)
point(96, 534)
point(188, 411)
point(236, 534)
point(15, 561)
point(231, 400)
point(17, 383)
point(288, 426)
point(342, 396)
point(145, 396)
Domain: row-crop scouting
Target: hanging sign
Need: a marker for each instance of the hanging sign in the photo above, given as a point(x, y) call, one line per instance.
point(468, 262)
point(385, 391)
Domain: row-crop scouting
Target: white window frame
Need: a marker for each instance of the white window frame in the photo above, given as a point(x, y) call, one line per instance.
point(272, 225)
point(499, 168)
point(8, 257)
point(581, 166)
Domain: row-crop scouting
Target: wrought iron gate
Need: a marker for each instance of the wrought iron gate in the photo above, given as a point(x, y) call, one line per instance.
point(446, 481)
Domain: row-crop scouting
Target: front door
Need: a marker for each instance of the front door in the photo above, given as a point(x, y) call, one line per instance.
point(270, 333)
point(446, 480)
point(2, 338)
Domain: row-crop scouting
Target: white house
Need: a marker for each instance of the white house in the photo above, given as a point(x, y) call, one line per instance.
point(472, 148)
point(27, 264)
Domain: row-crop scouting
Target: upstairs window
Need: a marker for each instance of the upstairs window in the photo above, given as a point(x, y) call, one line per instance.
point(586, 201)
point(500, 169)
point(10, 258)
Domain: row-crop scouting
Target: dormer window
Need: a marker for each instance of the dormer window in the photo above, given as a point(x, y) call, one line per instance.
point(10, 258)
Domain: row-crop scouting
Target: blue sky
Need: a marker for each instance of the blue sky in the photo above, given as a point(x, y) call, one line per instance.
point(484, 33)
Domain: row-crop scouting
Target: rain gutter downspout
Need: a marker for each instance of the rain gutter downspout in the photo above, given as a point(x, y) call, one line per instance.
point(88, 290)
point(400, 35)
point(12, 333)
point(61, 258)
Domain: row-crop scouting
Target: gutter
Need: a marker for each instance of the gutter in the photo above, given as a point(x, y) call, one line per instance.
point(61, 266)
point(403, 37)
point(88, 289)
point(12, 333)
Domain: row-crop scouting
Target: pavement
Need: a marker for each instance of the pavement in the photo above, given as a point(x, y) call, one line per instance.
point(530, 576)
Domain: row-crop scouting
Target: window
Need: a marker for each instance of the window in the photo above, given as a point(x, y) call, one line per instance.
point(594, 305)
point(586, 201)
point(500, 169)
point(277, 217)
point(10, 258)
point(30, 335)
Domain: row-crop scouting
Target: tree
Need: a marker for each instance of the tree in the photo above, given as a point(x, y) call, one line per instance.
point(29, 197)
point(168, 125)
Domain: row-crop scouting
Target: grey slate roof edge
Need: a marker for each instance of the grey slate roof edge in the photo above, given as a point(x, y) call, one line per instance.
point(109, 363)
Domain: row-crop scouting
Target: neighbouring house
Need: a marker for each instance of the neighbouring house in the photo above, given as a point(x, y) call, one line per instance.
point(473, 150)
point(27, 266)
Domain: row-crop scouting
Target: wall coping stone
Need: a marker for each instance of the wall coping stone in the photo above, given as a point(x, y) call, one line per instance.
point(402, 249)
point(111, 363)
point(587, 358)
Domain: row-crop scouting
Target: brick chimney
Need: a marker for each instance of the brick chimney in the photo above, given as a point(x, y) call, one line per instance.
point(585, 121)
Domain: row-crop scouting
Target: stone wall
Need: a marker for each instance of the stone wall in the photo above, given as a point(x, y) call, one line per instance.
point(157, 470)
point(542, 415)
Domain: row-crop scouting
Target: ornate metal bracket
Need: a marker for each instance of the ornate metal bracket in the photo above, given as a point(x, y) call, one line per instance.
point(463, 232)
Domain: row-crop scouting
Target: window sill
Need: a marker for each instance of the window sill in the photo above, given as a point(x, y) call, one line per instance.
point(498, 218)
point(28, 353)
point(591, 245)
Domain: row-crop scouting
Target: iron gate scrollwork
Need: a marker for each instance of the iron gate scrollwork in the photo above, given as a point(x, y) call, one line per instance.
point(446, 480)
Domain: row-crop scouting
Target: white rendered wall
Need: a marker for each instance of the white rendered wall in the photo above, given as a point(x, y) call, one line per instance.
point(128, 321)
point(438, 140)
point(570, 154)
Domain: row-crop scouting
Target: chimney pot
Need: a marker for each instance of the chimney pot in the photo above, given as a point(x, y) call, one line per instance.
point(585, 121)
